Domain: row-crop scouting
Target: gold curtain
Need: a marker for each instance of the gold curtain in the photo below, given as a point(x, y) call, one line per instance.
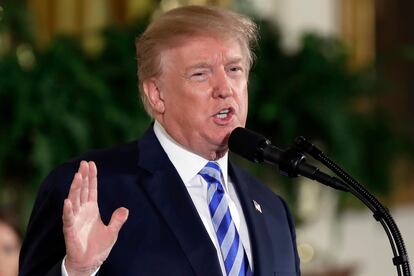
point(84, 18)
point(358, 30)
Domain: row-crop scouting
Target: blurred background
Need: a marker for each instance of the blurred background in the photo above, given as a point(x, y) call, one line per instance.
point(339, 72)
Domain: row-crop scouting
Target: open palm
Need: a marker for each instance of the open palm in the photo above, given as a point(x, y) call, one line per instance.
point(88, 240)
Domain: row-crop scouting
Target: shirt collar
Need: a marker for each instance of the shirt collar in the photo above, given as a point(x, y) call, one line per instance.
point(187, 163)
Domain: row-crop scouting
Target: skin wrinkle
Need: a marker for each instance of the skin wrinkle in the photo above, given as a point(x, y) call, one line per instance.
point(214, 78)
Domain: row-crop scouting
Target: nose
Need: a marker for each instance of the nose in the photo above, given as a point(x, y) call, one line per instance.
point(222, 85)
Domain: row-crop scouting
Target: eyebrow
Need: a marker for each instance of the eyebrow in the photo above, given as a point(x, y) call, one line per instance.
point(235, 60)
point(207, 65)
point(197, 66)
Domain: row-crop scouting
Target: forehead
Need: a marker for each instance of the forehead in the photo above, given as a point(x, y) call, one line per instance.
point(205, 49)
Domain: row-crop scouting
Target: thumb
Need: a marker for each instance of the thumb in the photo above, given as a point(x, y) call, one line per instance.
point(119, 217)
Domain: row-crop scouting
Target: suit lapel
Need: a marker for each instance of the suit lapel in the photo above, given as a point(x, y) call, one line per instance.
point(259, 236)
point(168, 193)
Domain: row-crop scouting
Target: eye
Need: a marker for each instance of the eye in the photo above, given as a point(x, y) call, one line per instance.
point(199, 76)
point(235, 70)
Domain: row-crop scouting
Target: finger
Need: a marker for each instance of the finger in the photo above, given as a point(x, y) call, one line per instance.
point(84, 171)
point(84, 192)
point(93, 182)
point(119, 217)
point(84, 168)
point(68, 216)
point(74, 191)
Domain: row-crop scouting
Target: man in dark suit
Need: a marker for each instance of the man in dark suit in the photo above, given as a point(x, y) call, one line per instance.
point(186, 210)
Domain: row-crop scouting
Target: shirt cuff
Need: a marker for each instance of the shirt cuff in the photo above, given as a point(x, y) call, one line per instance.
point(65, 273)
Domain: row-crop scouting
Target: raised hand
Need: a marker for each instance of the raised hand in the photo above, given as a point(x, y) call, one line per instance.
point(88, 240)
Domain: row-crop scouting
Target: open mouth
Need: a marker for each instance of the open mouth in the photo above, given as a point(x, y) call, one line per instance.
point(224, 113)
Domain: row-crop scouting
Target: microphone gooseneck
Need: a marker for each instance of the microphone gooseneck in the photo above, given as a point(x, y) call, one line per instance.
point(381, 214)
point(292, 162)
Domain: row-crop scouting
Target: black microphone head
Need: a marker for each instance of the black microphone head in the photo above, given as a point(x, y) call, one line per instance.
point(248, 144)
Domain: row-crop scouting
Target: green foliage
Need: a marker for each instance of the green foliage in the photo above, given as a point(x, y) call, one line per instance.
point(312, 93)
point(14, 18)
point(67, 103)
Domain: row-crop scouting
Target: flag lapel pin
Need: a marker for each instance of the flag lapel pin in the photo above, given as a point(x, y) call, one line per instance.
point(257, 206)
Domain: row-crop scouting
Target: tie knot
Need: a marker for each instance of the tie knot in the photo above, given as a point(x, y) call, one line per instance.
point(211, 173)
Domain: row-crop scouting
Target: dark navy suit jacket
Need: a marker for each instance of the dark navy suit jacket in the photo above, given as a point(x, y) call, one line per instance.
point(164, 234)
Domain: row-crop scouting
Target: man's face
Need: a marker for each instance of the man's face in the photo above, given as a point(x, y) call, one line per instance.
point(203, 87)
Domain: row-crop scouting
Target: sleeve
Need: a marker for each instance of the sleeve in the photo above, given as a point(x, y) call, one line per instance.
point(43, 247)
point(65, 273)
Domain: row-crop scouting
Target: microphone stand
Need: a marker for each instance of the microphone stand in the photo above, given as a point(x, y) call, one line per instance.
point(380, 213)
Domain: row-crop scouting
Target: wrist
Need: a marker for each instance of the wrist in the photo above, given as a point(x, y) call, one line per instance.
point(75, 269)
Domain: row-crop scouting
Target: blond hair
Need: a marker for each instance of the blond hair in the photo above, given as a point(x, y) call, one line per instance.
point(174, 26)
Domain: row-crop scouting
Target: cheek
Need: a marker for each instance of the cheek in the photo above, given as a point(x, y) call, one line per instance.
point(191, 108)
point(243, 98)
point(244, 105)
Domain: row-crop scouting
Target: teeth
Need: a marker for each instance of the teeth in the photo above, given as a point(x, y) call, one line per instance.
point(223, 113)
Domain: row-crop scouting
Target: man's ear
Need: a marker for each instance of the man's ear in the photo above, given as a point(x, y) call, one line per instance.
point(153, 95)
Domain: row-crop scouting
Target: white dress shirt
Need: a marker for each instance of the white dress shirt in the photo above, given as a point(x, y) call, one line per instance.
point(188, 165)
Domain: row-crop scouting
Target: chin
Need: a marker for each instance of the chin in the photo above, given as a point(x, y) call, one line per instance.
point(219, 154)
point(222, 136)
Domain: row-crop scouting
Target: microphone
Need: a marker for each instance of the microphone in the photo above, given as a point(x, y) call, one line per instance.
point(291, 162)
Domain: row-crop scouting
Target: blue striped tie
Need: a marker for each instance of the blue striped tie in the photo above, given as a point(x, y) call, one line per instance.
point(232, 251)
